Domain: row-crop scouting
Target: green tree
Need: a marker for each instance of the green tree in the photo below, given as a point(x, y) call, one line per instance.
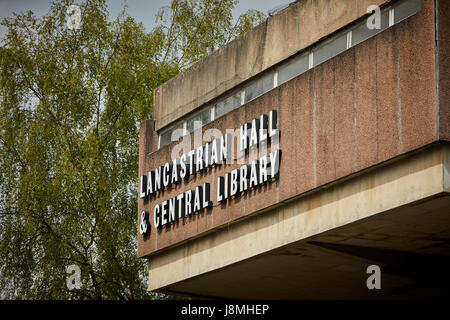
point(71, 101)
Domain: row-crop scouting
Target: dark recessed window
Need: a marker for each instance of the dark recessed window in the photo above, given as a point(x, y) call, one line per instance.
point(405, 9)
point(259, 86)
point(228, 104)
point(330, 49)
point(198, 120)
point(293, 68)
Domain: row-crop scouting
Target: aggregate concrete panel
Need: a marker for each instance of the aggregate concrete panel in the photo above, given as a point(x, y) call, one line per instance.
point(171, 233)
point(302, 116)
point(288, 139)
point(443, 50)
point(417, 78)
point(267, 194)
point(345, 113)
point(325, 122)
point(366, 103)
point(387, 95)
point(147, 140)
point(232, 209)
point(201, 221)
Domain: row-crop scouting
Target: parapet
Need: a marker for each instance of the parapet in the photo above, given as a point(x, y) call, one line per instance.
point(281, 36)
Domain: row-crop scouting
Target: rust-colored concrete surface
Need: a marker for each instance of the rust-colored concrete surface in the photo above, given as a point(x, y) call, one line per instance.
point(387, 95)
point(374, 102)
point(416, 71)
point(324, 122)
point(366, 104)
point(297, 116)
point(288, 117)
point(265, 195)
point(344, 113)
point(279, 37)
point(303, 99)
point(443, 43)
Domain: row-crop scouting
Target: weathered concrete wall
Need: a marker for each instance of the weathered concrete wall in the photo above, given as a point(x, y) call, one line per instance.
point(279, 37)
point(373, 102)
point(403, 182)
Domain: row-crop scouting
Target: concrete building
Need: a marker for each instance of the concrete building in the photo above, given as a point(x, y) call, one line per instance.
point(358, 103)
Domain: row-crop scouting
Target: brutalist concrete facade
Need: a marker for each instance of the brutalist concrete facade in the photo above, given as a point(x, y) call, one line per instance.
point(365, 163)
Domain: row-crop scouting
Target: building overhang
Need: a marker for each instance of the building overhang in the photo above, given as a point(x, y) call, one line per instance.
point(319, 246)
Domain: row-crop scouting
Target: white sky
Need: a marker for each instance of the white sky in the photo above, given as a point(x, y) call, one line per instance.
point(142, 10)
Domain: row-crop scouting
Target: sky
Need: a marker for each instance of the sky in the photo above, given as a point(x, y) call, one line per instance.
point(142, 10)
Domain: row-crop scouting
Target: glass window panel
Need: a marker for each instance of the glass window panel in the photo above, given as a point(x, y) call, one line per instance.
point(199, 119)
point(293, 68)
point(361, 32)
point(405, 9)
point(177, 131)
point(171, 134)
point(165, 138)
point(223, 106)
point(259, 86)
point(330, 49)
